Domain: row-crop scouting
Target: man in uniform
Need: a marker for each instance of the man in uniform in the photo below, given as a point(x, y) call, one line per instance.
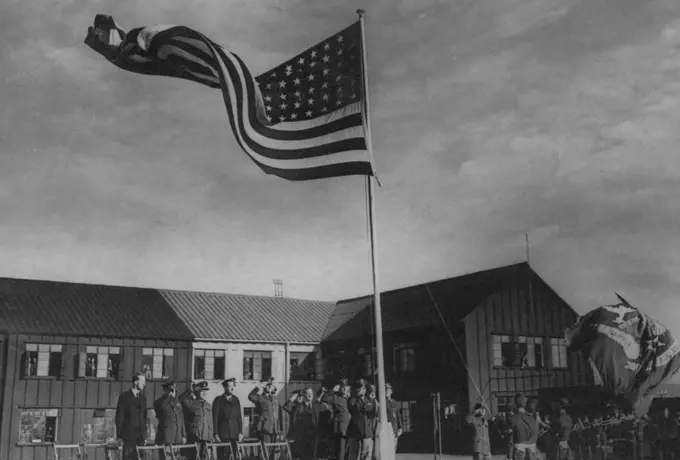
point(228, 417)
point(523, 431)
point(198, 417)
point(337, 400)
point(361, 430)
point(267, 410)
point(481, 445)
point(393, 416)
point(168, 409)
point(562, 429)
point(131, 423)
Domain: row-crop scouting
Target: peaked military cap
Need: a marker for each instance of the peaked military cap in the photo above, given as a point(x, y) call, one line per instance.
point(169, 384)
point(388, 386)
point(201, 386)
point(226, 382)
point(343, 382)
point(361, 383)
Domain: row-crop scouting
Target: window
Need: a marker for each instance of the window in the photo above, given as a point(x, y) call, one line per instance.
point(559, 353)
point(99, 425)
point(404, 359)
point(257, 365)
point(520, 351)
point(302, 365)
point(209, 364)
point(367, 362)
point(504, 403)
point(157, 363)
point(43, 360)
point(38, 426)
point(404, 408)
point(249, 428)
point(151, 423)
point(100, 362)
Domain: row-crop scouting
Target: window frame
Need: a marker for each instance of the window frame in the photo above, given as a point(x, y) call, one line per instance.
point(560, 344)
point(202, 353)
point(304, 365)
point(515, 342)
point(397, 364)
point(25, 357)
point(57, 423)
point(82, 366)
point(165, 351)
point(257, 354)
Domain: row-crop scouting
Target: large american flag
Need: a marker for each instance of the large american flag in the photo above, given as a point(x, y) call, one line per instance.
point(301, 120)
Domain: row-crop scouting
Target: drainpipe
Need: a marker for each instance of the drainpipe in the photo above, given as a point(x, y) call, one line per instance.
point(286, 369)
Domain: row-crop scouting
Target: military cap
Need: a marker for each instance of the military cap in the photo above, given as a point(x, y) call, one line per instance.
point(361, 383)
point(169, 384)
point(201, 386)
point(477, 406)
point(563, 402)
point(226, 382)
point(343, 382)
point(388, 386)
point(270, 380)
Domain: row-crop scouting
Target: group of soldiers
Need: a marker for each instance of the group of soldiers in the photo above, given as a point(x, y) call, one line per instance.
point(330, 424)
point(563, 432)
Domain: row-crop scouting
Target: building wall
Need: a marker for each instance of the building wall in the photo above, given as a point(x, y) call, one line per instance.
point(511, 312)
point(280, 353)
point(74, 398)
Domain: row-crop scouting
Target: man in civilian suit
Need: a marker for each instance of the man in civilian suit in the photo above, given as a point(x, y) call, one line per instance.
point(131, 426)
point(171, 429)
point(228, 417)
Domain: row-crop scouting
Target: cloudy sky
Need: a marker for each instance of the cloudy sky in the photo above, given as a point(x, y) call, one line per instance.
point(490, 119)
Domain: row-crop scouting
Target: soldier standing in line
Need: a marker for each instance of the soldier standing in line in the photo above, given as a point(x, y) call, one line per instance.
point(337, 400)
point(361, 430)
point(267, 410)
point(198, 417)
point(171, 428)
point(228, 418)
point(523, 431)
point(562, 429)
point(393, 416)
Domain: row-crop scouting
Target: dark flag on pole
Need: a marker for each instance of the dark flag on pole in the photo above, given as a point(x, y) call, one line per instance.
point(301, 120)
point(631, 353)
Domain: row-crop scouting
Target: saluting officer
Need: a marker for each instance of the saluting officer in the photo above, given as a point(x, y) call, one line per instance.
point(198, 417)
point(228, 417)
point(171, 428)
point(338, 401)
point(267, 410)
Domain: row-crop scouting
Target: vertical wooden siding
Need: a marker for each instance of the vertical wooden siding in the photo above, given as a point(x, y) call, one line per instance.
point(72, 395)
point(508, 312)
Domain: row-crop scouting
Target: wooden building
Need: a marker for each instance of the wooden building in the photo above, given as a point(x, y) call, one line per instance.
point(508, 328)
point(68, 350)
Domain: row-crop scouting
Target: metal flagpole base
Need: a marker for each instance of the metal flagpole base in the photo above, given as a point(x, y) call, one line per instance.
point(385, 444)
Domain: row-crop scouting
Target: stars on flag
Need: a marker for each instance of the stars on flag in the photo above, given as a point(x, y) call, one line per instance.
point(323, 79)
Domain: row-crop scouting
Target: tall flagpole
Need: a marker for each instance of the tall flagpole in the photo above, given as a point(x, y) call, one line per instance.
point(386, 450)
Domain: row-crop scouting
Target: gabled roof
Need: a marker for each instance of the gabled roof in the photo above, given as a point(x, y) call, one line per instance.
point(60, 308)
point(412, 307)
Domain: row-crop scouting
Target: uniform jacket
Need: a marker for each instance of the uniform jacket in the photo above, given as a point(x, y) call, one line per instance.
point(481, 443)
point(267, 412)
point(362, 421)
point(393, 416)
point(131, 417)
point(170, 415)
point(198, 417)
point(564, 427)
point(341, 416)
point(523, 428)
point(297, 411)
point(227, 418)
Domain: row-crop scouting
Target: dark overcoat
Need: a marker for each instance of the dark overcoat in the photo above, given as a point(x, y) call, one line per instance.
point(341, 416)
point(362, 421)
point(198, 417)
point(170, 415)
point(227, 417)
point(131, 421)
point(299, 431)
point(267, 413)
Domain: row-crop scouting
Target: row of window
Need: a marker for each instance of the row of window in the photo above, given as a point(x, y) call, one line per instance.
point(529, 352)
point(45, 360)
point(39, 426)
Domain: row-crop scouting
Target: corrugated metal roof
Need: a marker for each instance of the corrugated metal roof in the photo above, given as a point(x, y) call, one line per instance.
point(241, 317)
point(60, 308)
point(412, 307)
